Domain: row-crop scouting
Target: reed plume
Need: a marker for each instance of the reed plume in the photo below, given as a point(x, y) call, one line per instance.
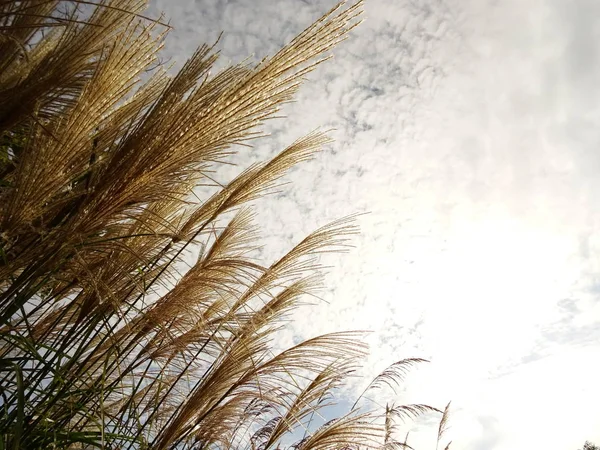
point(107, 338)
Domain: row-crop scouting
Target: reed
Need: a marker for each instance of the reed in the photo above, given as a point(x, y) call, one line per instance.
point(109, 337)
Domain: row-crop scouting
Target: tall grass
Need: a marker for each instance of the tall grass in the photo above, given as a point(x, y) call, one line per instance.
point(109, 337)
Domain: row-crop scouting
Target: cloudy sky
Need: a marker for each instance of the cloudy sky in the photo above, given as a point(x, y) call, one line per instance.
point(469, 129)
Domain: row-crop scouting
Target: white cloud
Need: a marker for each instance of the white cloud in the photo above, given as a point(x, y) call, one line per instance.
point(469, 130)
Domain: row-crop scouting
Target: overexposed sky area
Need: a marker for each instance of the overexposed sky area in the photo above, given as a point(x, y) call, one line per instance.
point(470, 131)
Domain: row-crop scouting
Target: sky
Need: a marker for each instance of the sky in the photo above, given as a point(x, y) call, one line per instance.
point(469, 131)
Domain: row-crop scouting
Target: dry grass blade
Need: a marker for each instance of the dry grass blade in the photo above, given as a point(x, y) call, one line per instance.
point(406, 412)
point(392, 376)
point(402, 413)
point(353, 431)
point(131, 309)
point(443, 427)
point(312, 398)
